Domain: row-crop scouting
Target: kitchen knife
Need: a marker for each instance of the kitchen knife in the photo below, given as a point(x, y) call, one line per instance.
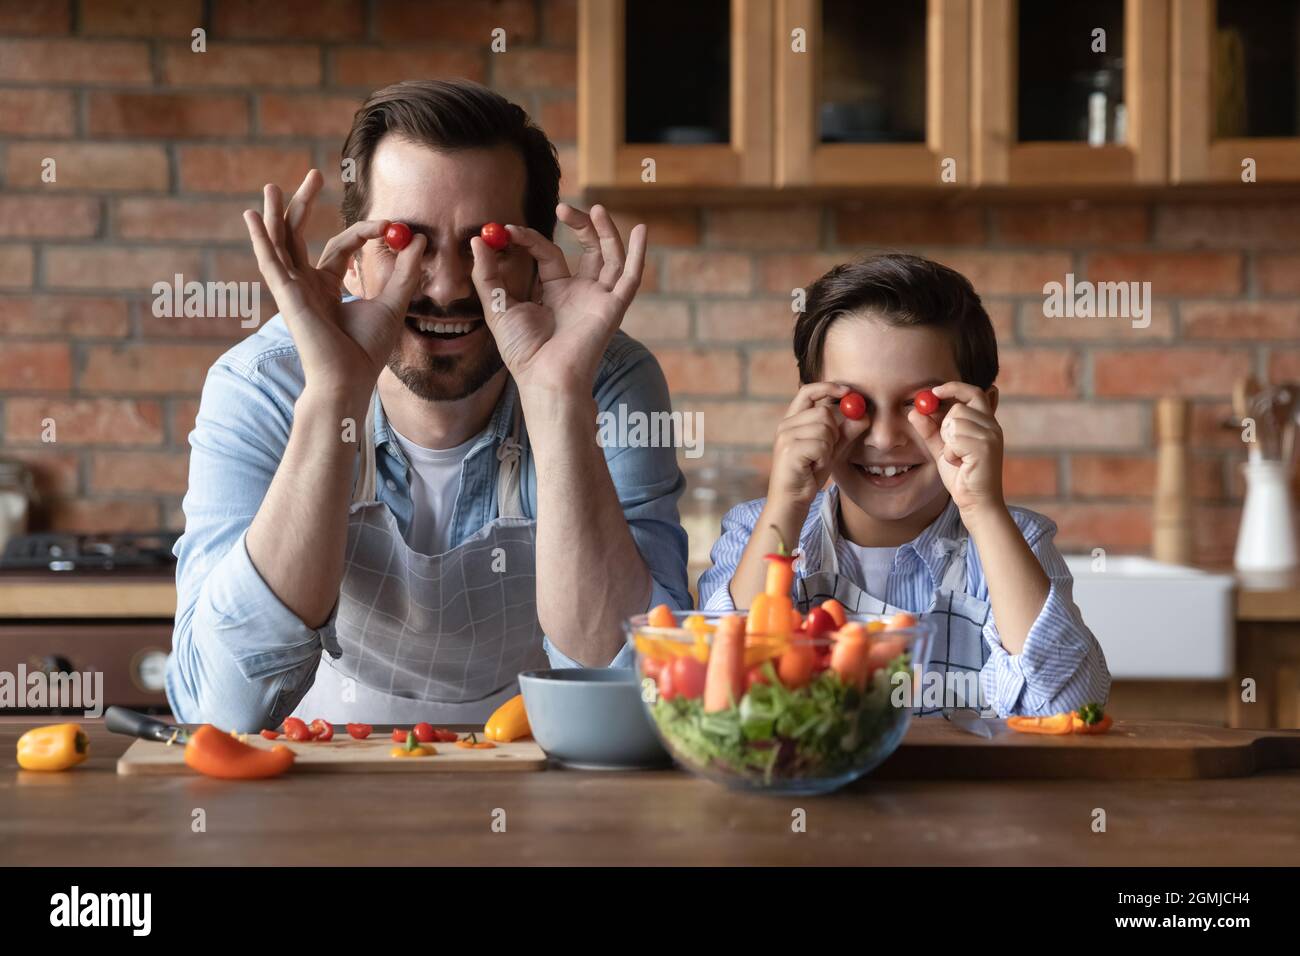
point(119, 720)
point(969, 720)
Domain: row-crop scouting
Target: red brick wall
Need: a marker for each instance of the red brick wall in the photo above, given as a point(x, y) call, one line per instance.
point(159, 149)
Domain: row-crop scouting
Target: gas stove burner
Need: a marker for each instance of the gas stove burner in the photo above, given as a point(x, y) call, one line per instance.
point(89, 552)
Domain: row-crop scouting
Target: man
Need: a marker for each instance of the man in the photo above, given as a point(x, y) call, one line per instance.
point(408, 477)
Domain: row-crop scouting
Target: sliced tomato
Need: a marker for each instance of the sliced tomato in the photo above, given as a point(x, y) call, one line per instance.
point(399, 735)
point(444, 736)
point(296, 729)
point(271, 734)
point(360, 731)
point(322, 730)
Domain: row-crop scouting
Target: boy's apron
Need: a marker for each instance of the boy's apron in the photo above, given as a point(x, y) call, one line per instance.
point(958, 644)
point(438, 638)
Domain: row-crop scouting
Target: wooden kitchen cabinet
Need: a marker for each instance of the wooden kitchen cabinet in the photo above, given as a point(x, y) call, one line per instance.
point(1035, 81)
point(877, 98)
point(685, 83)
point(1236, 90)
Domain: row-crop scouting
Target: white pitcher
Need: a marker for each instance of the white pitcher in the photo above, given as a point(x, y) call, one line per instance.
point(1267, 538)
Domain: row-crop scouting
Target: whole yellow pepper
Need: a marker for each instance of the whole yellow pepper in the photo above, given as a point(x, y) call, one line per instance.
point(56, 747)
point(509, 722)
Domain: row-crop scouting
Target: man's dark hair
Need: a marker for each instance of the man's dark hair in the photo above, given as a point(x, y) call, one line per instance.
point(451, 115)
point(901, 290)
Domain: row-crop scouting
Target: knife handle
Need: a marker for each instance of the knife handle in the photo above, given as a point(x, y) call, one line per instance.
point(119, 720)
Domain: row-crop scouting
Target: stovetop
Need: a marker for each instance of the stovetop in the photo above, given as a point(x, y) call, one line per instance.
point(64, 553)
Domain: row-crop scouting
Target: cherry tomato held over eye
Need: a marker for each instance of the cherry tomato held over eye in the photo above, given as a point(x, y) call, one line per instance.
point(495, 235)
point(926, 402)
point(853, 406)
point(398, 236)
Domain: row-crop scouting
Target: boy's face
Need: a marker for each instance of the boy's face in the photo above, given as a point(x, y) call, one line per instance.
point(887, 365)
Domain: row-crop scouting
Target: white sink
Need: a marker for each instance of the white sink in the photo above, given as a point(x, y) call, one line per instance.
point(1157, 621)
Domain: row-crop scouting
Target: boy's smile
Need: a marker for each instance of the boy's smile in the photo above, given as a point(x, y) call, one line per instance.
point(890, 488)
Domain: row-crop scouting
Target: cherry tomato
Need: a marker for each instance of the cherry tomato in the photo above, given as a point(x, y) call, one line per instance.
point(296, 729)
point(925, 402)
point(399, 735)
point(853, 406)
point(270, 735)
point(495, 235)
point(322, 730)
point(820, 622)
point(666, 689)
point(652, 668)
point(359, 731)
point(398, 236)
point(754, 676)
point(688, 677)
point(424, 732)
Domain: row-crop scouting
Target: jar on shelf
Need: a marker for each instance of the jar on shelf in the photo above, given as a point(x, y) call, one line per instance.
point(17, 495)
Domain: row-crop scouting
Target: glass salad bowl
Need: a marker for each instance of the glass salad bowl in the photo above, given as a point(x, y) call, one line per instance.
point(812, 713)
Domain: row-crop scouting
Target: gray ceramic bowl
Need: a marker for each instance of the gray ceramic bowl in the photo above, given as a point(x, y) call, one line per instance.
point(591, 718)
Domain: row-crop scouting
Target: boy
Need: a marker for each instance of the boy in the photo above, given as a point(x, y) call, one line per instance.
point(914, 519)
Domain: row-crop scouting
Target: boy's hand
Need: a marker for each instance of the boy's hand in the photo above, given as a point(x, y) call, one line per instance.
point(806, 441)
point(966, 446)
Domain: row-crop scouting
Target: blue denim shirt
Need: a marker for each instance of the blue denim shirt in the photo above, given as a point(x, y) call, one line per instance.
point(237, 651)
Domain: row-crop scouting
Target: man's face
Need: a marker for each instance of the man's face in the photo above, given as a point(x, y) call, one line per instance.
point(445, 351)
point(888, 365)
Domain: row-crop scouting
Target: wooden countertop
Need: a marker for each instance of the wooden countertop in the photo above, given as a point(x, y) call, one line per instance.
point(1265, 597)
point(91, 816)
point(38, 596)
point(1259, 597)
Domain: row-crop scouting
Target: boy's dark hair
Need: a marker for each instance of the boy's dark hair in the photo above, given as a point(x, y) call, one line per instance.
point(450, 115)
point(901, 290)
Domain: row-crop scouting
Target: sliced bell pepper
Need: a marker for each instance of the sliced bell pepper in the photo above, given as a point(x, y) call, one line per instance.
point(1056, 724)
point(55, 747)
point(215, 754)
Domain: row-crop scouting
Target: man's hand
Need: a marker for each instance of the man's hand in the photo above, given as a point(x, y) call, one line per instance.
point(966, 446)
point(343, 346)
point(555, 346)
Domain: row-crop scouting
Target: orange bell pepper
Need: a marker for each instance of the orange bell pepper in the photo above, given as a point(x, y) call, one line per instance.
point(1090, 719)
point(1056, 724)
point(780, 574)
point(510, 721)
point(216, 754)
point(779, 612)
point(759, 614)
point(55, 747)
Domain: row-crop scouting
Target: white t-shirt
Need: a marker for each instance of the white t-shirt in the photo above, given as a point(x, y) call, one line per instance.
point(873, 567)
point(435, 481)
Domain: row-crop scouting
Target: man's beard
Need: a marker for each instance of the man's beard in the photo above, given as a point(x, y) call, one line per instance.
point(446, 378)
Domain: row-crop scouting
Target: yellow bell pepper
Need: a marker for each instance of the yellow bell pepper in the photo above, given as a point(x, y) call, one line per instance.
point(56, 747)
point(509, 722)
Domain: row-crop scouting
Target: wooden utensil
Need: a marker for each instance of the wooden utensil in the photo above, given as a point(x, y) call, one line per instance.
point(1172, 520)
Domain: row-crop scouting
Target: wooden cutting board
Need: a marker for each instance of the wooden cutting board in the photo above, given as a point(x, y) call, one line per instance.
point(350, 756)
point(1132, 750)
